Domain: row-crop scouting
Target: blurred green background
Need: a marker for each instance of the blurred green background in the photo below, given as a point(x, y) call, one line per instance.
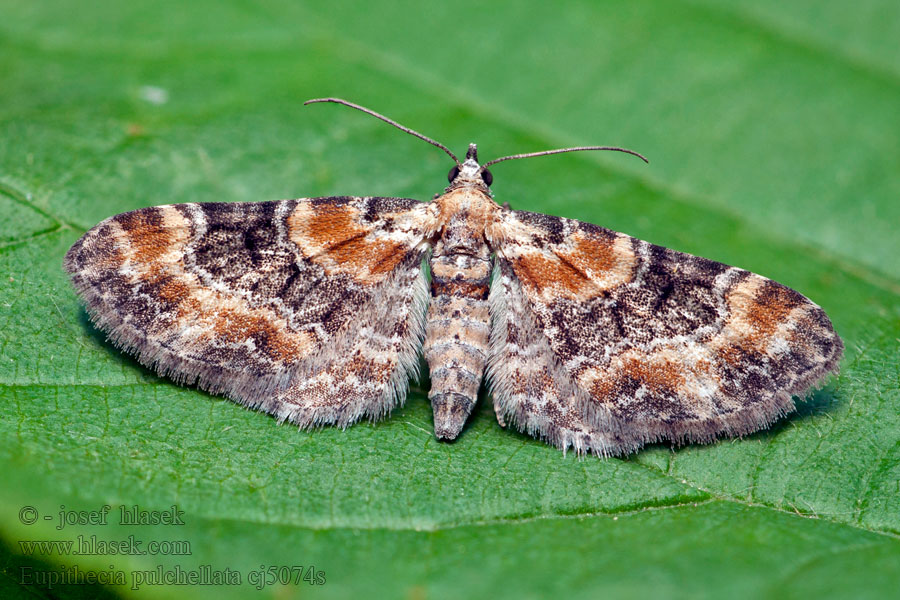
point(772, 130)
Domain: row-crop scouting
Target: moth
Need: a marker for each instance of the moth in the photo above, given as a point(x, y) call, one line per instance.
point(315, 310)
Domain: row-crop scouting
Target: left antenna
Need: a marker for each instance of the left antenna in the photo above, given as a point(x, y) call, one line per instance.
point(369, 111)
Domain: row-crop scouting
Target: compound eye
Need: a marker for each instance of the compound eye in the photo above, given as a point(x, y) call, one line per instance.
point(486, 177)
point(454, 172)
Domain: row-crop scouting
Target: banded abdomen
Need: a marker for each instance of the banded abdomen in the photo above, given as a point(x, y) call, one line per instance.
point(457, 331)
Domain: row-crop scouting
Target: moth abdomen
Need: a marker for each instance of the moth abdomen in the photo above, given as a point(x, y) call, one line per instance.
point(457, 334)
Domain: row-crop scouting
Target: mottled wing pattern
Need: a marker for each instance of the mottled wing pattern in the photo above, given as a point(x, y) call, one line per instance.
point(309, 309)
point(603, 342)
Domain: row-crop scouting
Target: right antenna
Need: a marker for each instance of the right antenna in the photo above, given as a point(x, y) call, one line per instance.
point(561, 150)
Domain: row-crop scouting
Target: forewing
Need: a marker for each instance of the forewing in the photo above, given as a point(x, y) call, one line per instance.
point(645, 343)
point(253, 300)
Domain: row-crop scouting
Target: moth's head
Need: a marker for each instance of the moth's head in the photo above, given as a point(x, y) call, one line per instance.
point(470, 173)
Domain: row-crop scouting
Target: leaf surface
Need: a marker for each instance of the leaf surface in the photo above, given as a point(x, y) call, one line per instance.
point(771, 130)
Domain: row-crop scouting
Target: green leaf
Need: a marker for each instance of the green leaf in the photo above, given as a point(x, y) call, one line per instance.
point(771, 129)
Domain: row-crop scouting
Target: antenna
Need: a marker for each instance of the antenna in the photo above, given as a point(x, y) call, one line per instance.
point(560, 151)
point(390, 122)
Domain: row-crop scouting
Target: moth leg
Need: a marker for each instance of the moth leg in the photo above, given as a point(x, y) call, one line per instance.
point(499, 414)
